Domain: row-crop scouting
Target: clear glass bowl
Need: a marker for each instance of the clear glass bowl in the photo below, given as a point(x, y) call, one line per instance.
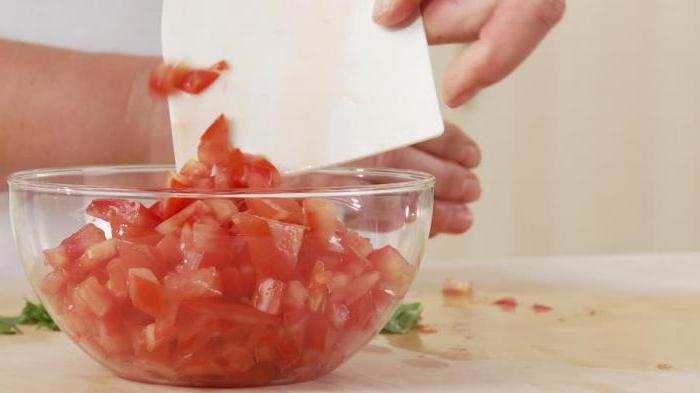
point(238, 288)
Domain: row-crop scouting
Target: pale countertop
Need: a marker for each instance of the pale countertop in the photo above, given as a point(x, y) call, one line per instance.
point(615, 319)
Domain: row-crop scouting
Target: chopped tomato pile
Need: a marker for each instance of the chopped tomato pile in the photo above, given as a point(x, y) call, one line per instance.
point(167, 79)
point(230, 292)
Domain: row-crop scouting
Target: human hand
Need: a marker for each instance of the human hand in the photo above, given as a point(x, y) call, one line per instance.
point(502, 33)
point(450, 159)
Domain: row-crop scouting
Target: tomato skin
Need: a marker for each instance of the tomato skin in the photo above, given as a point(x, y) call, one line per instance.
point(77, 243)
point(165, 78)
point(94, 296)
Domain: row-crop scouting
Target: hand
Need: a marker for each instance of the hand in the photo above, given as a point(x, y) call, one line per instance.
point(449, 158)
point(502, 33)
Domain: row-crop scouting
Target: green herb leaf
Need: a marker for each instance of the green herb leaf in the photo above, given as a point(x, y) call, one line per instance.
point(32, 314)
point(404, 319)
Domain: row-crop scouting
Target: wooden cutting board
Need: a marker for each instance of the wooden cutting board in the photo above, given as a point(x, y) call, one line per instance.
point(614, 321)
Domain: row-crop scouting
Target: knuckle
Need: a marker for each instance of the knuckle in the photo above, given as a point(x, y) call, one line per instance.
point(550, 12)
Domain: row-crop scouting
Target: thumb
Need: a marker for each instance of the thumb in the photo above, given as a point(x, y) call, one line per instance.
point(395, 12)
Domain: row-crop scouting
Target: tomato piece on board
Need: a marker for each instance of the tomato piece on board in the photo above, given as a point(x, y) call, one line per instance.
point(221, 65)
point(506, 303)
point(165, 78)
point(268, 296)
point(260, 173)
point(280, 209)
point(541, 308)
point(145, 291)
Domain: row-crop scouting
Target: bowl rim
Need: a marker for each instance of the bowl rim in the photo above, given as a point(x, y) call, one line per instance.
point(39, 180)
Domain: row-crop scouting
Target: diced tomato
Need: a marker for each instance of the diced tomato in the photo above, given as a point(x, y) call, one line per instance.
point(361, 286)
point(237, 313)
point(320, 217)
point(268, 296)
point(295, 296)
point(122, 211)
point(280, 209)
point(338, 314)
point(97, 254)
point(196, 81)
point(361, 246)
point(169, 247)
point(198, 284)
point(54, 282)
point(231, 291)
point(95, 296)
point(57, 257)
point(224, 209)
point(214, 146)
point(145, 291)
point(174, 223)
point(77, 243)
point(395, 270)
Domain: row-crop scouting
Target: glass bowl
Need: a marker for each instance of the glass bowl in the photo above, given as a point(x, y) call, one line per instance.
point(238, 288)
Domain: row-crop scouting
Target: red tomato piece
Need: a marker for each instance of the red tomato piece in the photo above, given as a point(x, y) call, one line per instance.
point(97, 254)
point(287, 240)
point(280, 209)
point(169, 247)
point(168, 207)
point(338, 314)
point(174, 223)
point(214, 145)
point(236, 313)
point(316, 332)
point(320, 217)
point(202, 283)
point(395, 270)
point(120, 211)
point(268, 296)
point(361, 286)
point(295, 296)
point(260, 173)
point(165, 78)
point(77, 243)
point(94, 296)
point(541, 308)
point(223, 209)
point(361, 246)
point(506, 303)
point(57, 257)
point(196, 81)
point(145, 291)
point(54, 282)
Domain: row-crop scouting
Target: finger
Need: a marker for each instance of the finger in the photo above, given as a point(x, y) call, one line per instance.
point(453, 145)
point(452, 21)
point(452, 182)
point(395, 12)
point(450, 217)
point(514, 30)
